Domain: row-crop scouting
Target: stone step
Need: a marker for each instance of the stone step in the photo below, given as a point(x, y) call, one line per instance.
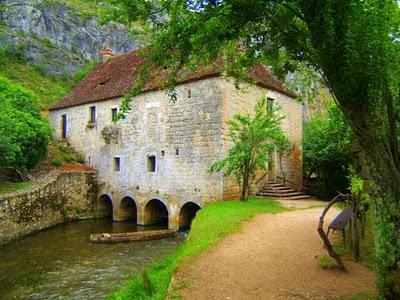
point(279, 191)
point(280, 195)
point(283, 190)
point(275, 185)
point(300, 197)
point(280, 188)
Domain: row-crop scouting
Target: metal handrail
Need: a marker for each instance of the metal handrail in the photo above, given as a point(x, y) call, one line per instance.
point(296, 184)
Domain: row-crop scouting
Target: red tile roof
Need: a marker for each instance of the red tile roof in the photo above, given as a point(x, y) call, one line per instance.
point(115, 77)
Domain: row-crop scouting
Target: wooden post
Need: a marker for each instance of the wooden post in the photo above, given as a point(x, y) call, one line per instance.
point(356, 238)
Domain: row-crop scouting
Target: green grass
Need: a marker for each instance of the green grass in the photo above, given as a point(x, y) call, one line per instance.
point(327, 262)
point(214, 222)
point(47, 89)
point(85, 8)
point(9, 187)
point(359, 296)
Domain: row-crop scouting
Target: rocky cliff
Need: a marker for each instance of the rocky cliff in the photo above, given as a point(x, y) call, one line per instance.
point(57, 36)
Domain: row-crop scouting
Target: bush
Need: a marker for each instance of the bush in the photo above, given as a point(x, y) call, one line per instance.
point(64, 153)
point(56, 162)
point(24, 135)
point(327, 152)
point(327, 262)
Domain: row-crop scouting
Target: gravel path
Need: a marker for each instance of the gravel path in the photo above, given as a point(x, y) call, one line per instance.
point(274, 257)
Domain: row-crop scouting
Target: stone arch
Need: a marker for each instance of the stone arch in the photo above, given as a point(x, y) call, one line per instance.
point(156, 211)
point(105, 206)
point(187, 213)
point(127, 209)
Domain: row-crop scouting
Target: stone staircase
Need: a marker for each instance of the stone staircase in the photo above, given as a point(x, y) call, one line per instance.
point(273, 189)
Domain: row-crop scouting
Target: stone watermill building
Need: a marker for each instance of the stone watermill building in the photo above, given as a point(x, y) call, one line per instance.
point(152, 166)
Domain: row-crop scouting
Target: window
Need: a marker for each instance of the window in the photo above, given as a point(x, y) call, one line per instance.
point(151, 163)
point(177, 151)
point(92, 114)
point(162, 153)
point(270, 105)
point(114, 113)
point(189, 94)
point(64, 126)
point(117, 164)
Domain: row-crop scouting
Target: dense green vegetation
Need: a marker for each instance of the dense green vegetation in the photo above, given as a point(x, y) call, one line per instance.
point(24, 135)
point(85, 8)
point(327, 152)
point(211, 224)
point(46, 89)
point(253, 138)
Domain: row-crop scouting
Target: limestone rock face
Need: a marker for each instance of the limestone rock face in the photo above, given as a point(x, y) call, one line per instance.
point(51, 34)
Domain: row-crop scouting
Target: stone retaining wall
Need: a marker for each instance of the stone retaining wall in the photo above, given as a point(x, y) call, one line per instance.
point(63, 197)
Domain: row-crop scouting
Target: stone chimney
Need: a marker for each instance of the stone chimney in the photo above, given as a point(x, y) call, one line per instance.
point(106, 54)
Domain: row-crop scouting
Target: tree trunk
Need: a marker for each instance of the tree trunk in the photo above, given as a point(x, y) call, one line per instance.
point(382, 170)
point(245, 187)
point(354, 229)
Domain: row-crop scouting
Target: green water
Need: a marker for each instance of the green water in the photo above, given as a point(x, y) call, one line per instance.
point(61, 263)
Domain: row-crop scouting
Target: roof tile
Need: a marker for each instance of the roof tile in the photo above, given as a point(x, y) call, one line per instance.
point(115, 77)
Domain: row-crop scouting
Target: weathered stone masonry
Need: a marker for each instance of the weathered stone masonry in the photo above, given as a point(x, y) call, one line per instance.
point(63, 197)
point(184, 138)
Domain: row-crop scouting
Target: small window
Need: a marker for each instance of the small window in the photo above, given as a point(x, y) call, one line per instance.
point(117, 164)
point(114, 113)
point(189, 93)
point(92, 114)
point(177, 151)
point(270, 105)
point(64, 126)
point(162, 153)
point(151, 163)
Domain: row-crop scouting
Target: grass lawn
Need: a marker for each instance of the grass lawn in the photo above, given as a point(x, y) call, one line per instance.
point(9, 187)
point(212, 223)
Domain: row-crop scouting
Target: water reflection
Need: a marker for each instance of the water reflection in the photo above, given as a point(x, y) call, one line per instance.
point(62, 263)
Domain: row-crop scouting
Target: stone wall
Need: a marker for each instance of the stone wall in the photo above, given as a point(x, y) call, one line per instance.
point(63, 197)
point(184, 137)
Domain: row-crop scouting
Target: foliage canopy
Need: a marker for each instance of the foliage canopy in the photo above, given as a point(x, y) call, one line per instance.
point(327, 152)
point(24, 135)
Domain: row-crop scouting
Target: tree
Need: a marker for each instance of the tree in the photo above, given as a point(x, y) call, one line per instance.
point(353, 44)
point(24, 135)
point(253, 137)
point(327, 151)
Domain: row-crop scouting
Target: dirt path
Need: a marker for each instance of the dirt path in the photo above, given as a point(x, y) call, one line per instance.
point(274, 257)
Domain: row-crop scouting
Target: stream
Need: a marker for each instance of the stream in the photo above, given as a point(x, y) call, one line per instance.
point(62, 263)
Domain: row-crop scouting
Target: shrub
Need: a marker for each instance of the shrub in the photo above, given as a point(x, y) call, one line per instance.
point(327, 262)
point(24, 135)
point(56, 162)
point(327, 152)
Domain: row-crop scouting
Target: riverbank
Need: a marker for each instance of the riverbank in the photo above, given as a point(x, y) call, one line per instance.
point(63, 195)
point(212, 223)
